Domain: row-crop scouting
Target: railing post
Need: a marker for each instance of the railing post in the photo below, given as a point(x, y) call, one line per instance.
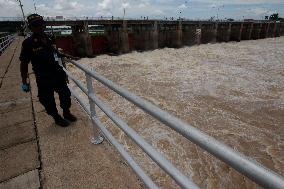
point(97, 138)
point(4, 41)
point(198, 34)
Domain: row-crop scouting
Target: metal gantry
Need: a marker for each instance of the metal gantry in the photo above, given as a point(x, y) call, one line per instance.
point(245, 165)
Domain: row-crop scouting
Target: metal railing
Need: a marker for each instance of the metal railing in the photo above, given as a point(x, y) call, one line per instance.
point(46, 18)
point(5, 42)
point(248, 167)
point(7, 18)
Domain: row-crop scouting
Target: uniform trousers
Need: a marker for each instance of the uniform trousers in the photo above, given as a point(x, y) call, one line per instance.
point(46, 88)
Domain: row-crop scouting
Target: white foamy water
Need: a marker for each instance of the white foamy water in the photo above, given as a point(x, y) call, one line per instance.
point(231, 91)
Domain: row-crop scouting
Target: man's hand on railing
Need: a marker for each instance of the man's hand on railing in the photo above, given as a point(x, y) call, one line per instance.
point(68, 56)
point(71, 57)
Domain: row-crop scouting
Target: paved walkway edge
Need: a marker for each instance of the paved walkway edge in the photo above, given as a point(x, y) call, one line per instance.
point(20, 160)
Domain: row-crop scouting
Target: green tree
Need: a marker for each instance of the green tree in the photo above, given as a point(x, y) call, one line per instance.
point(274, 17)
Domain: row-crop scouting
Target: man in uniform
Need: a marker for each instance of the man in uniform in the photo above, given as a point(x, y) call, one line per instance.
point(50, 76)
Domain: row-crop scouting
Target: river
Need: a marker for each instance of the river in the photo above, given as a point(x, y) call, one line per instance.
point(232, 91)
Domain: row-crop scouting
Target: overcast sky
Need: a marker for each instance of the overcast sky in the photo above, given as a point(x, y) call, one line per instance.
point(197, 9)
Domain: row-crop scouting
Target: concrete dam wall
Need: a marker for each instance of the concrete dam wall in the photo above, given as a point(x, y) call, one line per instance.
point(122, 36)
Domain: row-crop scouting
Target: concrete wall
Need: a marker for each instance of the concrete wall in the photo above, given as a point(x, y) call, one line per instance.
point(145, 37)
point(113, 38)
point(208, 32)
point(99, 44)
point(141, 37)
point(270, 32)
point(224, 32)
point(82, 40)
point(264, 30)
point(246, 31)
point(189, 35)
point(236, 31)
point(170, 35)
point(277, 30)
point(281, 29)
point(125, 36)
point(256, 30)
point(65, 43)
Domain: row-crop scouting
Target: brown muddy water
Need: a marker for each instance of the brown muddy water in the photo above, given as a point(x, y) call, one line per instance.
point(233, 91)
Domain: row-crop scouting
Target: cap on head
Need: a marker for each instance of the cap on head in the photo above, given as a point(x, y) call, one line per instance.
point(35, 19)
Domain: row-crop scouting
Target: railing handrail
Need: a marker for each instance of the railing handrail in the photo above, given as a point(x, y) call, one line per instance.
point(5, 41)
point(147, 148)
point(248, 167)
point(149, 183)
point(6, 36)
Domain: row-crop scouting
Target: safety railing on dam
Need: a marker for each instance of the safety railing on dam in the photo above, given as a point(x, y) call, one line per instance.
point(245, 165)
point(85, 18)
point(5, 42)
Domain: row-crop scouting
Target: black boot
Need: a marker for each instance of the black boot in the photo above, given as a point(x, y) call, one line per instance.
point(60, 121)
point(70, 117)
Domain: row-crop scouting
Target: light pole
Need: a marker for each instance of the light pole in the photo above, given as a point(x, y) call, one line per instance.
point(24, 18)
point(34, 6)
point(123, 13)
point(222, 6)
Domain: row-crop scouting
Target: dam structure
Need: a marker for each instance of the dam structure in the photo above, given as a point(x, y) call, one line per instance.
point(123, 36)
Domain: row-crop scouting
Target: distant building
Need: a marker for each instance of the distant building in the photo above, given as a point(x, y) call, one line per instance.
point(59, 18)
point(248, 20)
point(230, 19)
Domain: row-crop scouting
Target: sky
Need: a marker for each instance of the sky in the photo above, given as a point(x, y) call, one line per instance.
point(158, 9)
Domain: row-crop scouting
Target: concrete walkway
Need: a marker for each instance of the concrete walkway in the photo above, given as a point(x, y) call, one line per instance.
point(35, 153)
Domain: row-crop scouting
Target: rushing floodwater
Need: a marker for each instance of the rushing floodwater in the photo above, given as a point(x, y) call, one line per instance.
point(231, 91)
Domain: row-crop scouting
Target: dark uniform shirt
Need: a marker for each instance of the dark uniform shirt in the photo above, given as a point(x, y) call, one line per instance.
point(41, 53)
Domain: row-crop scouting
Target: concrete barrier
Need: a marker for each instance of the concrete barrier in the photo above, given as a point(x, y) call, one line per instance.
point(170, 35)
point(82, 40)
point(112, 36)
point(263, 31)
point(224, 32)
point(281, 29)
point(256, 30)
point(246, 31)
point(271, 29)
point(144, 37)
point(208, 32)
point(236, 31)
point(189, 34)
point(123, 36)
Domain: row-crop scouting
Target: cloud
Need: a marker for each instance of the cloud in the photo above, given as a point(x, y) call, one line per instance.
point(241, 1)
point(9, 8)
point(104, 8)
point(158, 12)
point(151, 8)
point(67, 5)
point(125, 5)
point(62, 7)
point(105, 4)
point(9, 3)
point(142, 5)
point(260, 11)
point(182, 6)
